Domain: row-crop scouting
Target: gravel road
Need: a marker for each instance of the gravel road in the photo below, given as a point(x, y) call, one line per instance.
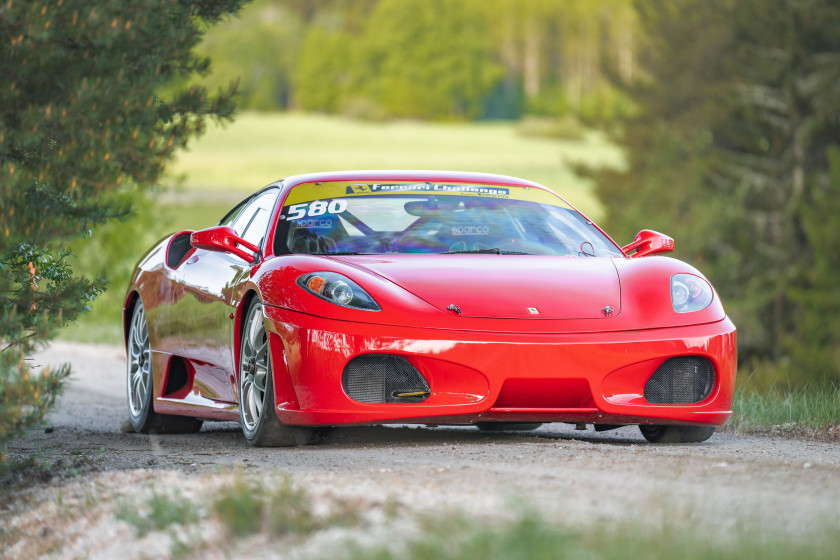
point(779, 485)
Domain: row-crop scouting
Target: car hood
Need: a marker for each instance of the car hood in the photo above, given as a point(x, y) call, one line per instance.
point(504, 286)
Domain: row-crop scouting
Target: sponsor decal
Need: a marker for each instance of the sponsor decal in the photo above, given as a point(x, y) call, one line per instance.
point(473, 190)
point(312, 192)
point(314, 223)
point(470, 230)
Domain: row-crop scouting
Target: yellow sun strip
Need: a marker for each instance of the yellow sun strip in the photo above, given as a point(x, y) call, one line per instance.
point(308, 192)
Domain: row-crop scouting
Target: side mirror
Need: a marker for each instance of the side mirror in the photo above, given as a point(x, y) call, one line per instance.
point(649, 242)
point(223, 239)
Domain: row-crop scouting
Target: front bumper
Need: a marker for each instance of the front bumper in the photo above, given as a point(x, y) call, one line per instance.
point(486, 376)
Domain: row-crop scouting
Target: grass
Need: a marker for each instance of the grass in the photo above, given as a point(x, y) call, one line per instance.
point(249, 506)
point(531, 538)
point(19, 471)
point(99, 327)
point(158, 513)
point(37, 467)
point(258, 148)
point(241, 507)
point(173, 515)
point(808, 408)
point(224, 517)
point(276, 509)
point(245, 506)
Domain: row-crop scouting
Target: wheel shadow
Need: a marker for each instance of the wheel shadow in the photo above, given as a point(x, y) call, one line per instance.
point(228, 434)
point(441, 435)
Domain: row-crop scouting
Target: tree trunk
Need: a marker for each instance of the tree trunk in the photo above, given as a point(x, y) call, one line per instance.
point(531, 61)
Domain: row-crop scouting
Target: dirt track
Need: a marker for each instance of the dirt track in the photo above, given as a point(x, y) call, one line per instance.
point(777, 485)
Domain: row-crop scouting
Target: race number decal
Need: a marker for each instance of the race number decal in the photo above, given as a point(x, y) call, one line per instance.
point(316, 208)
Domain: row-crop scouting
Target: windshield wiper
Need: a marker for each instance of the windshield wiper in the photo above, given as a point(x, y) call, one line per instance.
point(491, 251)
point(330, 253)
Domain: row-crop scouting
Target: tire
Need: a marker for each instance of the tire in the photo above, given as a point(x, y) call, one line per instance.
point(140, 383)
point(507, 426)
point(257, 414)
point(676, 434)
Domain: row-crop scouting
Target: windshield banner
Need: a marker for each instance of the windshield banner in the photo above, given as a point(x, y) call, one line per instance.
point(308, 192)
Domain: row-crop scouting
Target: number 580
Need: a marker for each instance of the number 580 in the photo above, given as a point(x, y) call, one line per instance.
point(316, 208)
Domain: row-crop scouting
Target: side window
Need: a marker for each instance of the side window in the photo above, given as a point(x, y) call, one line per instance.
point(251, 224)
point(244, 217)
point(232, 214)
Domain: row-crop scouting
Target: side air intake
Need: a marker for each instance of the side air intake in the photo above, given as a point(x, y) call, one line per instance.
point(683, 380)
point(178, 248)
point(383, 378)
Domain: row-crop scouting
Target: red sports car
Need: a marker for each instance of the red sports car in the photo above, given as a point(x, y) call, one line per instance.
point(421, 297)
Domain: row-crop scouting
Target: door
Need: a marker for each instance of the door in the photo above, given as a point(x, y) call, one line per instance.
point(213, 283)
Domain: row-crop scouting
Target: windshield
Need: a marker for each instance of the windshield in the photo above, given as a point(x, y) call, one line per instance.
point(404, 217)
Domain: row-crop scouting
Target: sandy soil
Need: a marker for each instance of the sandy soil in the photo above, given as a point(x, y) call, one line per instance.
point(732, 482)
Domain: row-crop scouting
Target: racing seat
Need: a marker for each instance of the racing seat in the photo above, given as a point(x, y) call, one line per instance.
point(317, 235)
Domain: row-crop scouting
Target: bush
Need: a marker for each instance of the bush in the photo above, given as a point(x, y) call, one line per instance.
point(26, 394)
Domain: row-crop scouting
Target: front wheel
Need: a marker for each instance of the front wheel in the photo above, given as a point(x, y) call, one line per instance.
point(676, 434)
point(257, 415)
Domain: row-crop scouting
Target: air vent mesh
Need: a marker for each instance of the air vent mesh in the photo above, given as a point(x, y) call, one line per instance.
point(178, 248)
point(381, 378)
point(683, 380)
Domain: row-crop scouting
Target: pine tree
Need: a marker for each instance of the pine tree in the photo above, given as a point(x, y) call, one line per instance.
point(729, 152)
point(82, 128)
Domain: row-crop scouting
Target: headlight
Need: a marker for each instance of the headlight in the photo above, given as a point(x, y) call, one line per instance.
point(689, 293)
point(338, 289)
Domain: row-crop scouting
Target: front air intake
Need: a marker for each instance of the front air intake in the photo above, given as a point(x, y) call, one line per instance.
point(684, 380)
point(384, 378)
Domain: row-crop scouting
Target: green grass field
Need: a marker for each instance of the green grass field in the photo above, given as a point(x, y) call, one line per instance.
point(257, 148)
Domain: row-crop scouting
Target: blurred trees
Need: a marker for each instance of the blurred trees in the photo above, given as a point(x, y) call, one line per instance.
point(261, 48)
point(555, 53)
point(82, 127)
point(426, 59)
point(734, 151)
point(433, 59)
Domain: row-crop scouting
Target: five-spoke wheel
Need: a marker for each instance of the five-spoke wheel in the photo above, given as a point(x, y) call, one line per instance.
point(139, 381)
point(257, 414)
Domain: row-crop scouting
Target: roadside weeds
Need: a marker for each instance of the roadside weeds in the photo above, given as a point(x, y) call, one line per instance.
point(811, 413)
point(229, 513)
